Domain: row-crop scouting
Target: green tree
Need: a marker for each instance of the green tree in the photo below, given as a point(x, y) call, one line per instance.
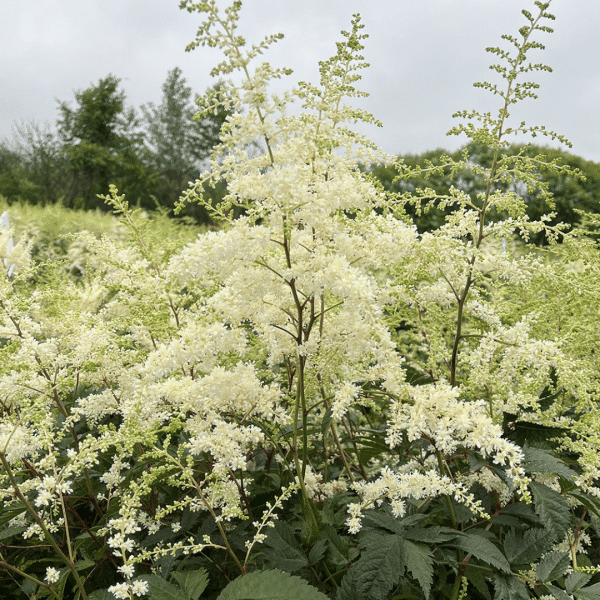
point(32, 165)
point(103, 142)
point(434, 173)
point(178, 142)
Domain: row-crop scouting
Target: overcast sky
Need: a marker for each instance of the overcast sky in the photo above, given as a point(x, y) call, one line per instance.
point(424, 55)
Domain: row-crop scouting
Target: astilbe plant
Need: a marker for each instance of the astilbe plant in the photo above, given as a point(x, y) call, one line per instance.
point(314, 388)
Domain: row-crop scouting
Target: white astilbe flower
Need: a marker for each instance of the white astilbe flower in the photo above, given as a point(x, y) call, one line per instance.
point(120, 590)
point(398, 486)
point(343, 399)
point(317, 488)
point(18, 441)
point(52, 575)
point(490, 481)
point(435, 413)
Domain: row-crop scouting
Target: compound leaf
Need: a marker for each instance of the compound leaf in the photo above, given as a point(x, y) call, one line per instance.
point(553, 566)
point(381, 565)
point(270, 585)
point(482, 549)
point(420, 565)
point(192, 582)
point(527, 547)
point(552, 509)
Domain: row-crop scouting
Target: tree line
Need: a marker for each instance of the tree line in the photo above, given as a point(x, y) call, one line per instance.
point(152, 153)
point(566, 192)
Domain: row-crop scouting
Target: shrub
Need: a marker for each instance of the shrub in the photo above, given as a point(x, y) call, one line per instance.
point(315, 388)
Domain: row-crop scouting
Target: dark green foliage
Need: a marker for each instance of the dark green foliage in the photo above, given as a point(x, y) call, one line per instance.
point(270, 585)
point(552, 509)
point(99, 141)
point(178, 143)
point(103, 144)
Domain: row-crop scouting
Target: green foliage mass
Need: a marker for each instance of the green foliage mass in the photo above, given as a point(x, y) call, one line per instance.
point(149, 154)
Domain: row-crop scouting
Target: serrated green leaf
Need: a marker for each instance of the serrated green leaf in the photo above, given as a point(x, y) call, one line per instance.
point(317, 552)
point(11, 531)
point(521, 510)
point(192, 582)
point(576, 580)
point(527, 547)
point(8, 514)
point(420, 564)
point(326, 421)
point(383, 519)
point(553, 566)
point(189, 518)
point(270, 585)
point(538, 460)
point(431, 535)
point(508, 587)
point(347, 588)
point(380, 566)
point(80, 565)
point(592, 504)
point(588, 593)
point(101, 595)
point(482, 549)
point(552, 509)
point(557, 592)
point(159, 589)
point(284, 552)
point(506, 521)
point(338, 546)
point(476, 577)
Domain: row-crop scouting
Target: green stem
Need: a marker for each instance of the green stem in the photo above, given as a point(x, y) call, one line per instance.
point(47, 535)
point(10, 567)
point(442, 468)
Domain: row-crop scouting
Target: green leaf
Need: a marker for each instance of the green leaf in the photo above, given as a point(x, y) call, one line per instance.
point(588, 593)
point(380, 566)
point(284, 550)
point(476, 577)
point(576, 580)
point(326, 422)
point(557, 592)
point(101, 595)
point(8, 514)
point(592, 504)
point(11, 531)
point(85, 564)
point(431, 535)
point(420, 564)
point(189, 518)
point(317, 551)
point(270, 585)
point(538, 460)
point(508, 587)
point(159, 589)
point(553, 566)
point(527, 547)
point(347, 588)
point(482, 549)
point(338, 546)
point(552, 509)
point(383, 519)
point(523, 511)
point(192, 582)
